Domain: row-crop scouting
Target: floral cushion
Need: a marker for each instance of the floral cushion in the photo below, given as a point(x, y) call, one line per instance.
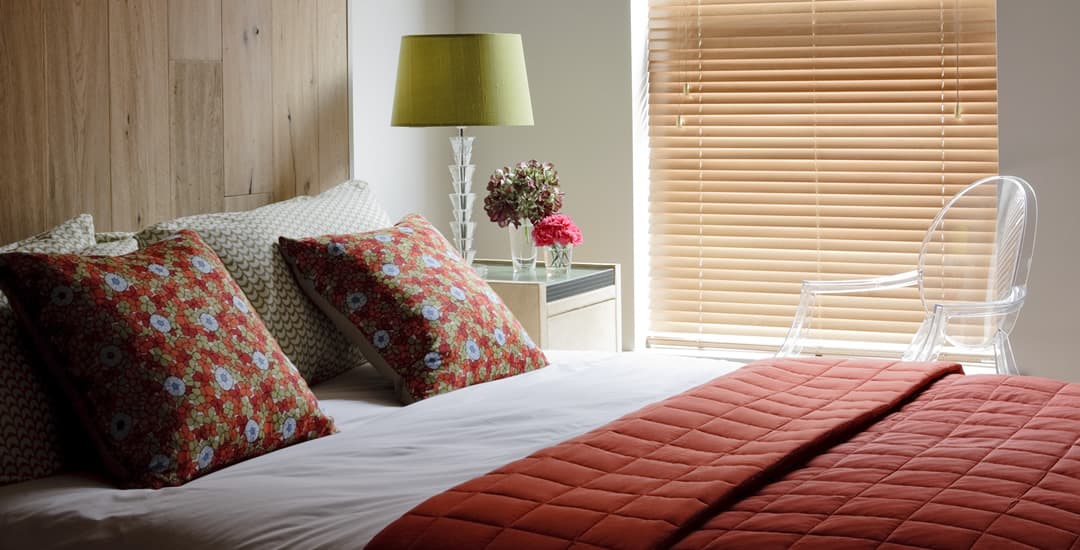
point(420, 314)
point(168, 365)
point(247, 243)
point(30, 443)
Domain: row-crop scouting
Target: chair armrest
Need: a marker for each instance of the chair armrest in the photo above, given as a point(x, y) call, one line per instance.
point(899, 280)
point(1011, 304)
point(793, 343)
point(932, 334)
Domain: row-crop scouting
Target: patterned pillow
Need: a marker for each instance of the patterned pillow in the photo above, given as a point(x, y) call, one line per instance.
point(112, 244)
point(30, 444)
point(247, 243)
point(421, 315)
point(66, 238)
point(169, 367)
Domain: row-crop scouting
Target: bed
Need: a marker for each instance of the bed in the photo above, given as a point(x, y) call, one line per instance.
point(497, 450)
point(341, 491)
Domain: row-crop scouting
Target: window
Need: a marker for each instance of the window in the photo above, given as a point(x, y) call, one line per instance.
point(807, 139)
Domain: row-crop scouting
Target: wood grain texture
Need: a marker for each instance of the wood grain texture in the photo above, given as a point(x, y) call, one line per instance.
point(198, 173)
point(139, 112)
point(333, 81)
point(23, 146)
point(77, 97)
point(195, 29)
point(296, 117)
point(241, 203)
point(247, 33)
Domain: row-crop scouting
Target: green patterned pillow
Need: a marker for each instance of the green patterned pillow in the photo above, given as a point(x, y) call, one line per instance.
point(112, 244)
point(247, 243)
point(30, 445)
point(71, 236)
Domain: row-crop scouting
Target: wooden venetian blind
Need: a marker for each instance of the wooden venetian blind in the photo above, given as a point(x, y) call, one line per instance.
point(803, 139)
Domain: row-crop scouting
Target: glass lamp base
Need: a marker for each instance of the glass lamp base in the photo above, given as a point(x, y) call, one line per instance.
point(462, 198)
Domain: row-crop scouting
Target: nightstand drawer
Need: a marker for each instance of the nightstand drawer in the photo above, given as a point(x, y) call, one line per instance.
point(579, 311)
point(586, 328)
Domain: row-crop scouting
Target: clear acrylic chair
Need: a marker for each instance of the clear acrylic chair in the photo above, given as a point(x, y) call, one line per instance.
point(972, 276)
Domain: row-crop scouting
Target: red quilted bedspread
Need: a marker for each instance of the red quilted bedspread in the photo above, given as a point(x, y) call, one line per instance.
point(814, 453)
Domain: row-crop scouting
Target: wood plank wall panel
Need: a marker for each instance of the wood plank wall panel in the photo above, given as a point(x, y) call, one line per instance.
point(23, 148)
point(139, 109)
point(240, 203)
point(77, 79)
point(195, 29)
point(296, 99)
point(198, 173)
point(333, 78)
point(247, 32)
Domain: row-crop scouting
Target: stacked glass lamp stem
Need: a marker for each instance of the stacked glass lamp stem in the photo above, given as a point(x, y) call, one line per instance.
point(462, 228)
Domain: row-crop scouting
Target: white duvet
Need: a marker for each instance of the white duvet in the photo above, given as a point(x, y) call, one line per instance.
point(339, 491)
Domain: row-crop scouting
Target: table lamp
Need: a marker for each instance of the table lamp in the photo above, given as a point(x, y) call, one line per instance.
point(462, 80)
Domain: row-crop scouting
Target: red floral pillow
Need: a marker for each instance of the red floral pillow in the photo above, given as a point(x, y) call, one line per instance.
point(170, 368)
point(417, 311)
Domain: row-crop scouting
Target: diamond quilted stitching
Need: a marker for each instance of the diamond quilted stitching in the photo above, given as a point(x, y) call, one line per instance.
point(616, 485)
point(983, 462)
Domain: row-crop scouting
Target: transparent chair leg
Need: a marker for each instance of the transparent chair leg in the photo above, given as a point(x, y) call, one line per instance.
point(919, 342)
point(928, 341)
point(793, 344)
point(1003, 355)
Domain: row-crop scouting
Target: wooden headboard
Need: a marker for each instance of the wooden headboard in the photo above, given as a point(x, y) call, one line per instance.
point(137, 111)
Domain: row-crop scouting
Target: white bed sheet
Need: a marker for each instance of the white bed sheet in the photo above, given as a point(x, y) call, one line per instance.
point(356, 396)
point(339, 491)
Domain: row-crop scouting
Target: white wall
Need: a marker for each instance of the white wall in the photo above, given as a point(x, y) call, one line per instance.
point(577, 57)
point(577, 54)
point(1039, 128)
point(404, 165)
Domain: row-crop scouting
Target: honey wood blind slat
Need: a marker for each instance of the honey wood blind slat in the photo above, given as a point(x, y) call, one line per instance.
point(811, 139)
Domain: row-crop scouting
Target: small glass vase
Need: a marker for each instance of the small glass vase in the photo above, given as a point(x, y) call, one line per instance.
point(522, 250)
point(558, 258)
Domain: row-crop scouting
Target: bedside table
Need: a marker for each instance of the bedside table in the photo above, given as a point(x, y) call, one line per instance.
point(581, 310)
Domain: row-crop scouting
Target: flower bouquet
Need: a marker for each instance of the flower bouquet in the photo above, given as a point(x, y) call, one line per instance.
point(558, 234)
point(517, 198)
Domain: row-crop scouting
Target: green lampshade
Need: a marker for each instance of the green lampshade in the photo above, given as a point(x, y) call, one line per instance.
point(462, 80)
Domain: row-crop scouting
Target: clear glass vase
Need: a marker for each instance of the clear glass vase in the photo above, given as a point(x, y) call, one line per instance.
point(557, 259)
point(522, 250)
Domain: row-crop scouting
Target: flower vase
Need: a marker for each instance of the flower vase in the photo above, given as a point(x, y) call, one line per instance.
point(522, 250)
point(558, 258)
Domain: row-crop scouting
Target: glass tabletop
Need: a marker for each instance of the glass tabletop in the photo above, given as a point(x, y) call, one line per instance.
point(503, 271)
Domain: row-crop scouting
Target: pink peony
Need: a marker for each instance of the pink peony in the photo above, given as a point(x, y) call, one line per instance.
point(556, 228)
